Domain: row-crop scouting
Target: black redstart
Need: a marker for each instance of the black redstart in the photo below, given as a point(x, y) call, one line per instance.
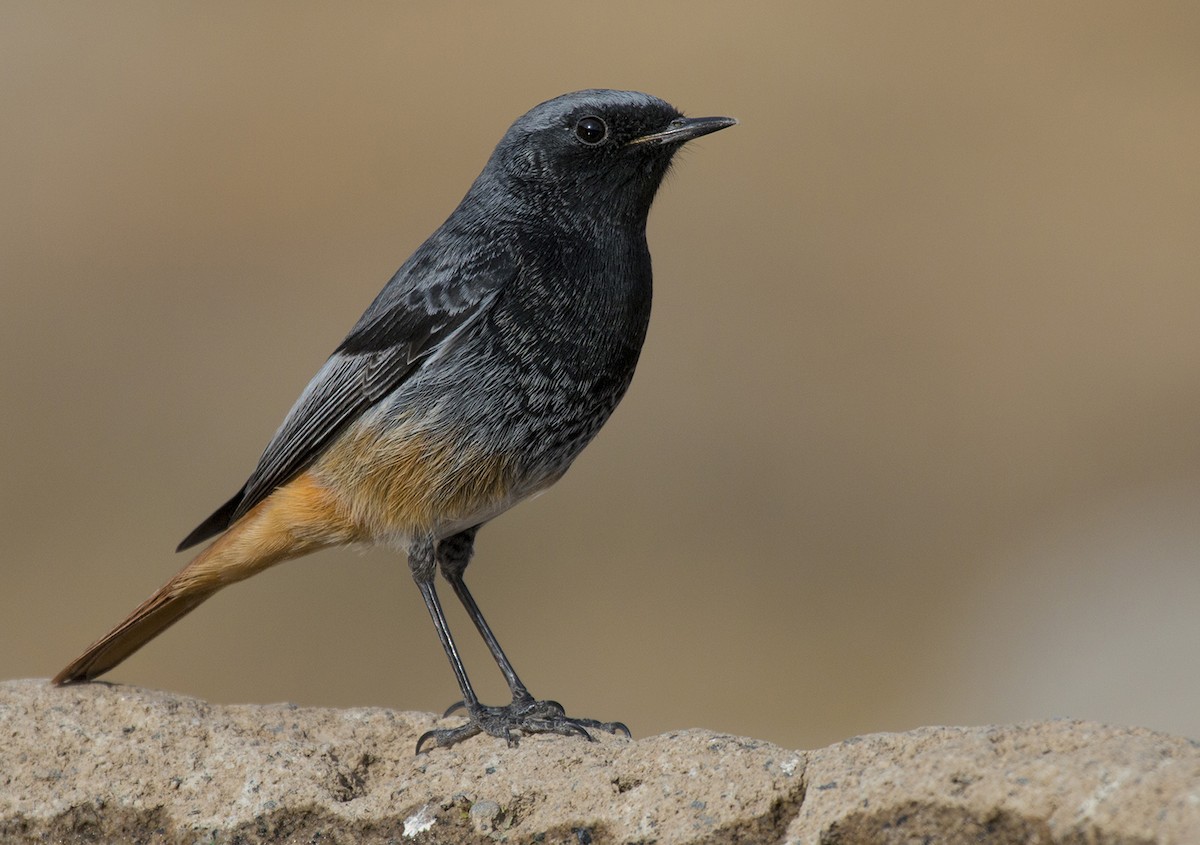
point(478, 374)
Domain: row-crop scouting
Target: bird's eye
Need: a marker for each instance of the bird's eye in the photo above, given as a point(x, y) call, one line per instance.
point(591, 130)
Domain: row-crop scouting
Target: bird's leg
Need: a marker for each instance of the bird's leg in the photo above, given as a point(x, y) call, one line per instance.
point(453, 554)
point(421, 562)
point(524, 714)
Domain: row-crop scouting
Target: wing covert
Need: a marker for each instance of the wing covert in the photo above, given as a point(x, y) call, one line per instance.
point(420, 310)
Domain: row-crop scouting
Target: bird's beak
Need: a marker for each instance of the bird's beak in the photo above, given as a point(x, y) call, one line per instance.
point(685, 129)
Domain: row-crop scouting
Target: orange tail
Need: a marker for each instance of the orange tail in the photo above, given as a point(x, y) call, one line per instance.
point(297, 519)
point(152, 617)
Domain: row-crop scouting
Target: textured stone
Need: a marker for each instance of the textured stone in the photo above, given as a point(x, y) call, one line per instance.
point(99, 763)
point(1048, 782)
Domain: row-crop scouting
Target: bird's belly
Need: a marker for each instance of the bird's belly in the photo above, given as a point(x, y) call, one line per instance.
point(396, 478)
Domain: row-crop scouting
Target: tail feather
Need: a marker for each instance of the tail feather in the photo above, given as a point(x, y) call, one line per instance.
point(297, 519)
point(151, 618)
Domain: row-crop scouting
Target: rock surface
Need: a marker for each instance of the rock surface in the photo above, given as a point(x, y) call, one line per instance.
point(99, 763)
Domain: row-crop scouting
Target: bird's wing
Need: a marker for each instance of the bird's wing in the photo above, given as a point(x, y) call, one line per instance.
point(436, 293)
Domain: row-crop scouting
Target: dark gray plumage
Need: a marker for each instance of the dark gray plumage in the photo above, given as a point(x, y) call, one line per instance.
point(478, 374)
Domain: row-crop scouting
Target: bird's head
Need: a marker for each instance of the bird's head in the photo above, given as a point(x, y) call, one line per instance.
point(597, 151)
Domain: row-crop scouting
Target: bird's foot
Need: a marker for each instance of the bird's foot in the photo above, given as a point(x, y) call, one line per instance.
point(523, 716)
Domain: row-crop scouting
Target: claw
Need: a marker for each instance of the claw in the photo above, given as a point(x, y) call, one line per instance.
point(581, 731)
point(443, 737)
point(425, 736)
point(523, 715)
point(562, 727)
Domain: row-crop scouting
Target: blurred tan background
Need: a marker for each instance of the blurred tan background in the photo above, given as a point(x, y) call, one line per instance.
point(915, 438)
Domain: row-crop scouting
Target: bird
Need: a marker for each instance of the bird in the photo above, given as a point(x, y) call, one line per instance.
point(477, 375)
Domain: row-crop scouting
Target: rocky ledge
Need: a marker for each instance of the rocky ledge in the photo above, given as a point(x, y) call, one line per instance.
point(101, 763)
